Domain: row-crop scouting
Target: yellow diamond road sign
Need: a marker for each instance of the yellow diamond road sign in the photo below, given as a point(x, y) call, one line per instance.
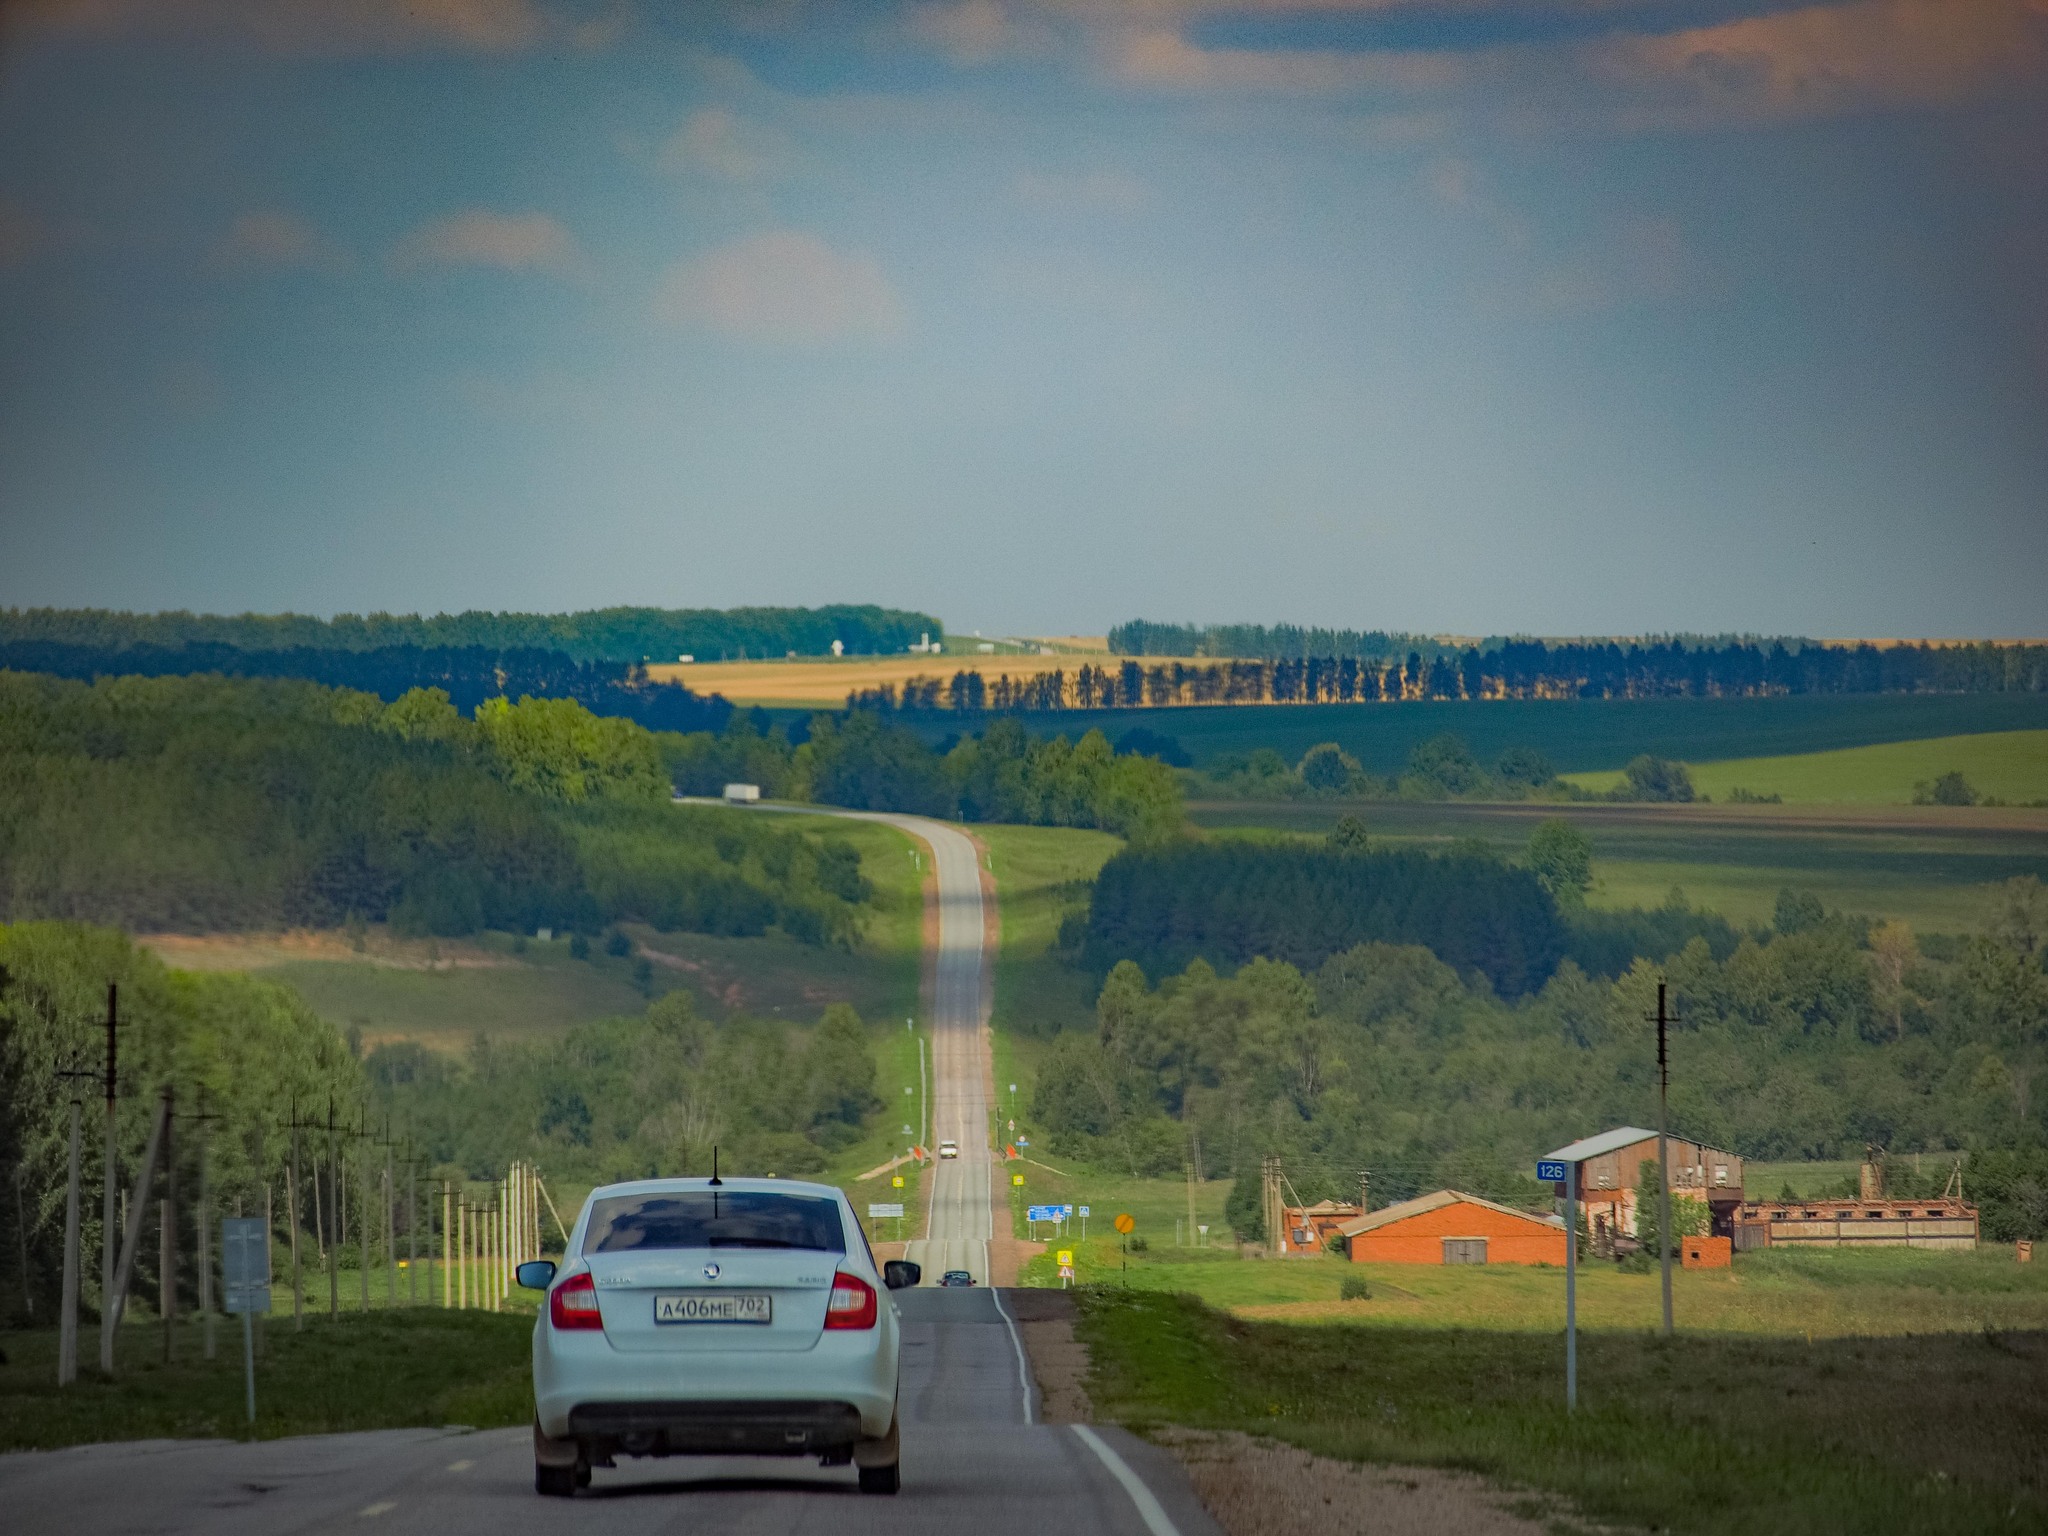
point(897, 1182)
point(1017, 1179)
point(1065, 1257)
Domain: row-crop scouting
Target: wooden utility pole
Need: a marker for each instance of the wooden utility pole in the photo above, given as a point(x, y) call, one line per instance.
point(167, 1246)
point(116, 1299)
point(109, 1223)
point(205, 1214)
point(1663, 1162)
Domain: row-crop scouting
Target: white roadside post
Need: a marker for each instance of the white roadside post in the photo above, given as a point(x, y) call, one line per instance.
point(245, 1285)
point(1555, 1170)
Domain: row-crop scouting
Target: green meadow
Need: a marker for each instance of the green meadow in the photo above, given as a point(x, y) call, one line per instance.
point(2011, 766)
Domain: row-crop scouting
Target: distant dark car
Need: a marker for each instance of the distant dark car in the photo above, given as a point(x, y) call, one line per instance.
point(956, 1277)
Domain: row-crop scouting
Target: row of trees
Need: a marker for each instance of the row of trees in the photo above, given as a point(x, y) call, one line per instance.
point(201, 803)
point(244, 1051)
point(1514, 670)
point(865, 761)
point(468, 675)
point(1805, 1043)
point(640, 1097)
point(604, 634)
point(1269, 642)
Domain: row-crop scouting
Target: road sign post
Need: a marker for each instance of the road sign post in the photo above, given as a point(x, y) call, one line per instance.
point(1557, 1171)
point(245, 1286)
point(1083, 1213)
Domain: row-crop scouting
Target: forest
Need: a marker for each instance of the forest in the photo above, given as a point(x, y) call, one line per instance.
point(865, 761)
point(201, 804)
point(619, 635)
point(1807, 1041)
point(632, 1097)
point(1516, 669)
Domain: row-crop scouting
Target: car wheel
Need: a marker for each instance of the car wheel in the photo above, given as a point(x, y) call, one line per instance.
point(556, 1482)
point(881, 1479)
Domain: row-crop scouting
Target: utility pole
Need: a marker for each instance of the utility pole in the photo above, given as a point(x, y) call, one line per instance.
point(205, 1218)
point(28, 1298)
point(116, 1298)
point(67, 1306)
point(363, 1203)
point(447, 1251)
point(167, 1248)
point(1663, 1161)
point(333, 1244)
point(390, 1224)
point(109, 1223)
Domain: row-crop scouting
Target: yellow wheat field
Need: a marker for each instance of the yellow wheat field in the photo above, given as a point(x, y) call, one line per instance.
point(825, 683)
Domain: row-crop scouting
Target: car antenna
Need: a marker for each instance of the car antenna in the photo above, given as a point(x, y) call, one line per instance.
point(715, 1179)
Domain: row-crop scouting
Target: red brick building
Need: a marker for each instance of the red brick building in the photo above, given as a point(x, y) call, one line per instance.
point(1453, 1228)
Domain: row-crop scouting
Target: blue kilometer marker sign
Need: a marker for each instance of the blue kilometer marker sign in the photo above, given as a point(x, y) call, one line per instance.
point(1551, 1173)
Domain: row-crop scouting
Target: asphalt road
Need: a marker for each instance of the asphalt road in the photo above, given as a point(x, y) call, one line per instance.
point(976, 1462)
point(960, 1215)
point(973, 1465)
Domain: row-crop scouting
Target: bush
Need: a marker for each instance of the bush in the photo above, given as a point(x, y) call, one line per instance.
point(1950, 789)
point(1354, 1288)
point(1657, 779)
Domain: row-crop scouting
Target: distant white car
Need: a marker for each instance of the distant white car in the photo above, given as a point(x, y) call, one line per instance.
point(701, 1317)
point(949, 1149)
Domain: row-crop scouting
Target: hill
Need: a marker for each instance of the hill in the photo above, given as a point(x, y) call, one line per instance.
point(2010, 766)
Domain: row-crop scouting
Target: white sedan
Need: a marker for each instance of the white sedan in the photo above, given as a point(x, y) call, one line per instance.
point(741, 1317)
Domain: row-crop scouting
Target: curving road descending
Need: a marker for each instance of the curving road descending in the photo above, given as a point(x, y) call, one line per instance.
point(960, 1210)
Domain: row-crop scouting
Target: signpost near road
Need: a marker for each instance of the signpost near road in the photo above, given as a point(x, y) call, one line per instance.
point(1565, 1175)
point(881, 1209)
point(1125, 1225)
point(1083, 1213)
point(245, 1286)
point(1065, 1259)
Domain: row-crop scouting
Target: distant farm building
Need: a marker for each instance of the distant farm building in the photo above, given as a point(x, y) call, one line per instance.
point(1308, 1228)
point(1453, 1228)
point(1610, 1175)
point(1855, 1224)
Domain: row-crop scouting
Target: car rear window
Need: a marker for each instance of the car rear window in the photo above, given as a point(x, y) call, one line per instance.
point(710, 1218)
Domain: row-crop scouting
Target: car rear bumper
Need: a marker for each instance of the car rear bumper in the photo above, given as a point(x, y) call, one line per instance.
point(740, 1428)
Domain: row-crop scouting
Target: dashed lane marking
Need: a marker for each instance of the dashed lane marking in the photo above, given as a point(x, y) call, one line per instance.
point(381, 1507)
point(1157, 1521)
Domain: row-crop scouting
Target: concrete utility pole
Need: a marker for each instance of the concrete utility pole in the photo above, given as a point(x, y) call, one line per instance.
point(390, 1225)
point(116, 1299)
point(1663, 1162)
point(447, 1249)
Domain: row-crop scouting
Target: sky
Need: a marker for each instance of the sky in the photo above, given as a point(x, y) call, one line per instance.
point(1465, 316)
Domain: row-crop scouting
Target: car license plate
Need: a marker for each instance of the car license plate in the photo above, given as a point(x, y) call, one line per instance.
point(714, 1307)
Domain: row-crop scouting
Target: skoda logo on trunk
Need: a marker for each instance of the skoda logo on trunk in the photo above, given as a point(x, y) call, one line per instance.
point(710, 1271)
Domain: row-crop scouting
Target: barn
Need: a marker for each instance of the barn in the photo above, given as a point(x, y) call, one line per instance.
point(1453, 1228)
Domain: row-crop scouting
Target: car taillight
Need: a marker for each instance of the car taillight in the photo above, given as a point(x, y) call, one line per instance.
point(852, 1304)
point(573, 1304)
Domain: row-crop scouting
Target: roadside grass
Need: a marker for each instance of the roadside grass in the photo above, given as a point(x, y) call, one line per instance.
point(375, 1371)
point(1705, 1434)
point(1577, 735)
point(1936, 868)
point(1041, 875)
point(1789, 1294)
point(2010, 765)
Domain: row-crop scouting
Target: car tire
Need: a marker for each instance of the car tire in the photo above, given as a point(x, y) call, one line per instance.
point(555, 1482)
point(881, 1479)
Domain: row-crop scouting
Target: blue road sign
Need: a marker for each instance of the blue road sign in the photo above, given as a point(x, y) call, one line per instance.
point(245, 1264)
point(1551, 1173)
point(1048, 1212)
point(1084, 1211)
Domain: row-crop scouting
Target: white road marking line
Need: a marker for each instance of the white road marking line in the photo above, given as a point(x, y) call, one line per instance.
point(1023, 1371)
point(381, 1507)
point(1150, 1511)
point(460, 1466)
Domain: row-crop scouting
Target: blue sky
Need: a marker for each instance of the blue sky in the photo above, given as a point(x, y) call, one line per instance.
point(1554, 316)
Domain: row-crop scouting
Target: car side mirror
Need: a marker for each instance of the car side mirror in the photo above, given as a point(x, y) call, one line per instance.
point(536, 1274)
point(901, 1274)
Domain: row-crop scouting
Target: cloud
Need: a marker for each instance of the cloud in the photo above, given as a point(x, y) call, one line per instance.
point(782, 286)
point(306, 26)
point(1832, 58)
point(272, 238)
point(717, 142)
point(1163, 58)
point(973, 32)
point(1114, 190)
point(510, 242)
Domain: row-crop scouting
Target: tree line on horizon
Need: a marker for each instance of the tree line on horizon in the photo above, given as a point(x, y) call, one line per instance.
point(621, 635)
point(467, 674)
point(1516, 670)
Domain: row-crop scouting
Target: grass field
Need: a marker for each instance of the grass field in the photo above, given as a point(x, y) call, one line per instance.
point(2009, 765)
point(374, 1371)
point(1578, 735)
point(1701, 1433)
point(1041, 874)
point(1820, 1294)
point(1933, 866)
